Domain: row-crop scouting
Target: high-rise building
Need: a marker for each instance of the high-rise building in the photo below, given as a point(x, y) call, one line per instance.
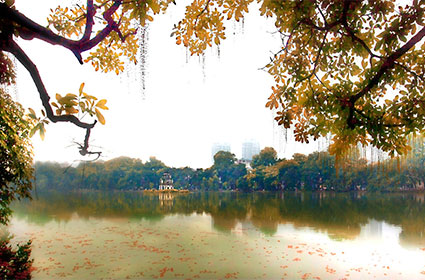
point(250, 149)
point(225, 147)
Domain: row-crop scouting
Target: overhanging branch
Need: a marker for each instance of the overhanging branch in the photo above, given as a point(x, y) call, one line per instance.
point(29, 29)
point(22, 57)
point(389, 63)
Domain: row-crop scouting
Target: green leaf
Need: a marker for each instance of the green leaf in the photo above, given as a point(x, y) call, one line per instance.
point(32, 114)
point(42, 131)
point(34, 130)
point(379, 44)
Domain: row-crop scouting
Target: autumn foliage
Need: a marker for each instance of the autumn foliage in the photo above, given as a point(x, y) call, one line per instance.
point(15, 263)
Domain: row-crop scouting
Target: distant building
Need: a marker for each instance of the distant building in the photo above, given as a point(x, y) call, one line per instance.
point(166, 183)
point(250, 149)
point(217, 147)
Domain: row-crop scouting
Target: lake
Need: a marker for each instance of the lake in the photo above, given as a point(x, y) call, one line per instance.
point(131, 235)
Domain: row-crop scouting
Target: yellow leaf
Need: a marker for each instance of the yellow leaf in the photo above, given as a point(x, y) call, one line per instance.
point(81, 88)
point(71, 110)
point(101, 104)
point(71, 96)
point(100, 116)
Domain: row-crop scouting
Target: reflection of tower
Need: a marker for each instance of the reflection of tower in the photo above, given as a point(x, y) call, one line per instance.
point(250, 149)
point(166, 199)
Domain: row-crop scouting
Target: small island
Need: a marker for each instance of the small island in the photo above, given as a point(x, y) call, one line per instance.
point(166, 185)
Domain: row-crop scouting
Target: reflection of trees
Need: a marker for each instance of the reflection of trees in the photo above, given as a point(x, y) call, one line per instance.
point(339, 215)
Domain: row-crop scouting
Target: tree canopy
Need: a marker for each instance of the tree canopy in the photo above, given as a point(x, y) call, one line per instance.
point(266, 157)
point(352, 69)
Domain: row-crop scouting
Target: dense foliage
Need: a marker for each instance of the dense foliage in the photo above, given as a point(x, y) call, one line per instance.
point(316, 171)
point(16, 169)
point(15, 154)
point(15, 263)
point(354, 69)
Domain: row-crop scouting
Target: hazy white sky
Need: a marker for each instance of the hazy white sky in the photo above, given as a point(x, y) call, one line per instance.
point(186, 107)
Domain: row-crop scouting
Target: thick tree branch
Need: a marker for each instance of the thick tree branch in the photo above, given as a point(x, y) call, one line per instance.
point(91, 12)
point(389, 63)
point(14, 49)
point(30, 29)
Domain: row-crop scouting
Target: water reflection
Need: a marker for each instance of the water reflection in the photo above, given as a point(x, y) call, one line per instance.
point(341, 216)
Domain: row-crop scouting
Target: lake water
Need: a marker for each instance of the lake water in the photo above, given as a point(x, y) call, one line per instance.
point(98, 235)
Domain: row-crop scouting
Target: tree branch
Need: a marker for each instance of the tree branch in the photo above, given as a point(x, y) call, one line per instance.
point(30, 29)
point(91, 12)
point(416, 75)
point(22, 57)
point(316, 61)
point(389, 63)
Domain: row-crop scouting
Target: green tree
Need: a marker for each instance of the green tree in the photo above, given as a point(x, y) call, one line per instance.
point(227, 169)
point(15, 154)
point(266, 157)
point(223, 159)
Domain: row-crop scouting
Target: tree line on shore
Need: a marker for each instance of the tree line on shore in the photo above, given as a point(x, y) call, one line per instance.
point(316, 171)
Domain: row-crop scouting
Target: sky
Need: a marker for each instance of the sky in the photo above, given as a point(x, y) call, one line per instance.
point(188, 103)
